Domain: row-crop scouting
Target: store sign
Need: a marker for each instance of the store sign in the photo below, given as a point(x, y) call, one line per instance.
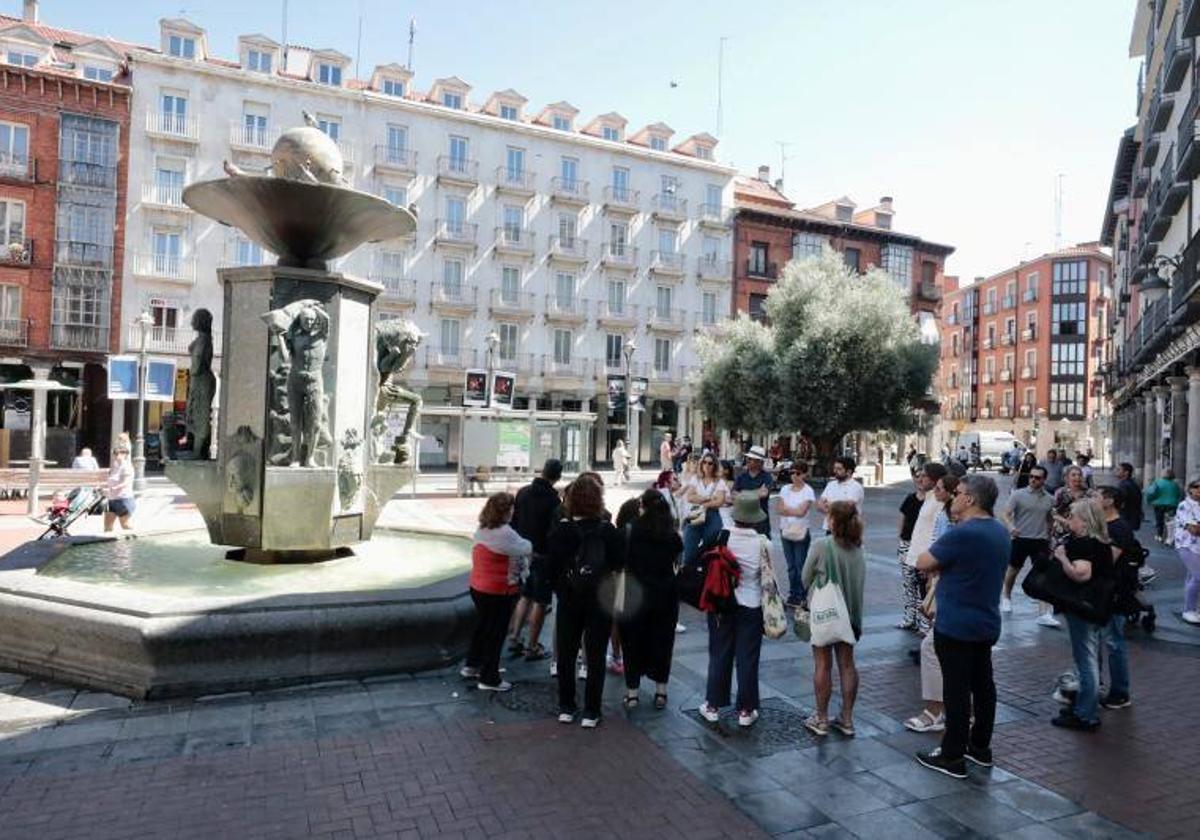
point(504, 385)
point(475, 388)
point(123, 379)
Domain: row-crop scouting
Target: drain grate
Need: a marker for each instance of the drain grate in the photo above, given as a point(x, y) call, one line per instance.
point(532, 698)
point(780, 727)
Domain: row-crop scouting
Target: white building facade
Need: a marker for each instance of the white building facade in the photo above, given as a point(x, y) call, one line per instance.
point(562, 239)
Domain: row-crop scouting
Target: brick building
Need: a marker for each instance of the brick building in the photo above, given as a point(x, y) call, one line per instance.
point(769, 232)
point(1021, 351)
point(64, 133)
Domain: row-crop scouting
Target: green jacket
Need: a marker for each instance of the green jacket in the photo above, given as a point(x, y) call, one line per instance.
point(851, 575)
point(1164, 493)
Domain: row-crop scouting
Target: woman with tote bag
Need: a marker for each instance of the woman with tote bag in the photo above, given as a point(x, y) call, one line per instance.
point(834, 574)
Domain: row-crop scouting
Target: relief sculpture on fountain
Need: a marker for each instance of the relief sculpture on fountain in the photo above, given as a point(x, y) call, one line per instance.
point(300, 336)
point(396, 343)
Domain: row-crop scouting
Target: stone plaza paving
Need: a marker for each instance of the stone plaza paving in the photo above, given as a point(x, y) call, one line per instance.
point(429, 756)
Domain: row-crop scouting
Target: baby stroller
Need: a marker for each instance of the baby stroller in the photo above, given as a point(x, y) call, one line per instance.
point(65, 509)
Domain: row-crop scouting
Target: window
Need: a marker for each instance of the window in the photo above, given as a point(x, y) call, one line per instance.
point(165, 314)
point(845, 213)
point(758, 259)
point(12, 223)
point(1031, 321)
point(616, 297)
point(331, 126)
point(710, 249)
point(758, 307)
point(561, 123)
point(610, 133)
point(704, 152)
point(658, 144)
point(395, 195)
point(246, 252)
point(1068, 318)
point(991, 335)
point(991, 300)
point(662, 355)
point(562, 347)
point(97, 74)
point(1067, 359)
point(853, 258)
point(452, 279)
point(989, 368)
point(712, 199)
point(22, 59)
point(450, 330)
point(569, 172)
point(929, 274)
point(82, 306)
point(1070, 278)
point(514, 222)
point(14, 149)
point(393, 87)
point(1066, 399)
point(618, 239)
point(668, 197)
point(1028, 398)
point(662, 302)
point(329, 74)
point(10, 310)
point(568, 224)
point(456, 215)
point(897, 261)
point(174, 108)
point(1010, 327)
point(1009, 360)
point(508, 342)
point(620, 183)
point(1031, 359)
point(391, 266)
point(515, 164)
point(1031, 286)
point(668, 240)
point(808, 245)
point(452, 100)
point(168, 181)
point(181, 47)
point(708, 308)
point(510, 284)
point(613, 347)
point(254, 124)
point(508, 112)
point(168, 246)
point(460, 149)
point(258, 61)
point(564, 291)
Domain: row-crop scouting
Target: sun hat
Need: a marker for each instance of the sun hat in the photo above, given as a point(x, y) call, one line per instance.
point(746, 508)
point(756, 452)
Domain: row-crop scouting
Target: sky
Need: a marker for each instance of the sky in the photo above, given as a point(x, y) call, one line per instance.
point(966, 112)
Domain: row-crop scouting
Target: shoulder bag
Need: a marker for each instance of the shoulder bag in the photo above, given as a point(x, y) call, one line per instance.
point(774, 615)
point(829, 617)
point(1092, 600)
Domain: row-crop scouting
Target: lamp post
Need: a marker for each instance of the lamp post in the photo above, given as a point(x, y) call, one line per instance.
point(629, 349)
point(1162, 272)
point(493, 341)
point(144, 322)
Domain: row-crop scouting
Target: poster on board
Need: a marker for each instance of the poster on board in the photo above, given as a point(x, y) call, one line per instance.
point(513, 443)
point(475, 388)
point(160, 380)
point(616, 398)
point(122, 377)
point(637, 396)
point(503, 386)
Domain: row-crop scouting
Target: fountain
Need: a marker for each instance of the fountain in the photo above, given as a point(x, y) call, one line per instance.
point(293, 582)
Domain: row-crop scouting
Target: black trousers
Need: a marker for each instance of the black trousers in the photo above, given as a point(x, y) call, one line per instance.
point(734, 637)
point(967, 687)
point(581, 619)
point(491, 625)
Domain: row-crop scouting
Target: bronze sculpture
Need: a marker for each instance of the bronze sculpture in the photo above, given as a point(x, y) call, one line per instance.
point(301, 333)
point(396, 343)
point(202, 385)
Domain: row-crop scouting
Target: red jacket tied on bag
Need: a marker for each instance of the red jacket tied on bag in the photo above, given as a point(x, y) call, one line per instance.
point(720, 580)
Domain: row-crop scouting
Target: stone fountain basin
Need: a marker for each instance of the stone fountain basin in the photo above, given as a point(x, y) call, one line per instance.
point(140, 629)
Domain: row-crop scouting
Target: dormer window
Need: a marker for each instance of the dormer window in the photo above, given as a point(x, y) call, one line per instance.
point(452, 100)
point(393, 87)
point(704, 152)
point(883, 220)
point(181, 46)
point(845, 212)
point(659, 144)
point(97, 74)
point(561, 123)
point(22, 59)
point(508, 112)
point(258, 61)
point(610, 133)
point(329, 74)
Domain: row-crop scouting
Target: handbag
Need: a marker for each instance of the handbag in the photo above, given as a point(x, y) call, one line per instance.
point(1091, 600)
point(696, 514)
point(828, 614)
point(774, 615)
point(929, 602)
point(797, 532)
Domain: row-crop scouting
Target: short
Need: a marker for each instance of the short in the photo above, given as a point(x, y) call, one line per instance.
point(1027, 548)
point(537, 586)
point(121, 507)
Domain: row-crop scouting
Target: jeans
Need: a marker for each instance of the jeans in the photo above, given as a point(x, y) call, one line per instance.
point(968, 687)
point(734, 636)
point(1085, 648)
point(1160, 520)
point(1191, 586)
point(581, 618)
point(796, 552)
point(1118, 658)
point(491, 624)
point(696, 535)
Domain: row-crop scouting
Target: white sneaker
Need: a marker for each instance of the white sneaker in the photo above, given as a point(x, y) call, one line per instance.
point(589, 722)
point(583, 671)
point(503, 685)
point(468, 673)
point(554, 669)
point(747, 719)
point(680, 628)
point(1146, 575)
point(1047, 620)
point(1006, 605)
point(566, 717)
point(1191, 617)
point(710, 713)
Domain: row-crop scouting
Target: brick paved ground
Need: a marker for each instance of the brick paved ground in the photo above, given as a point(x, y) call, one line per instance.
point(428, 757)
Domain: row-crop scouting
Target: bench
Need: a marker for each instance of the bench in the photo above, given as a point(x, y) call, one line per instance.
point(14, 482)
point(477, 478)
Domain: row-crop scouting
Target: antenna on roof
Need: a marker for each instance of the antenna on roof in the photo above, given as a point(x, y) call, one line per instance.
point(358, 48)
point(783, 158)
point(285, 40)
point(720, 82)
point(1058, 204)
point(412, 35)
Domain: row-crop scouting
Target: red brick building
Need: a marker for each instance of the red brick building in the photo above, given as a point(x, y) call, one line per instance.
point(64, 135)
point(1021, 349)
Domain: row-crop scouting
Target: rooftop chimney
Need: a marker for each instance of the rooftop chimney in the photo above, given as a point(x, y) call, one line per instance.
point(29, 11)
point(979, 280)
point(764, 174)
point(779, 185)
point(886, 202)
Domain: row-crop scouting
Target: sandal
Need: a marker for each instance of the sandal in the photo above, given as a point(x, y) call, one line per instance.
point(840, 725)
point(814, 724)
point(630, 701)
point(660, 701)
point(516, 648)
point(925, 722)
point(535, 653)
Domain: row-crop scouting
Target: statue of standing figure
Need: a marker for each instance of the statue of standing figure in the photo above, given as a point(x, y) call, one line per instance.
point(396, 343)
point(202, 385)
point(301, 332)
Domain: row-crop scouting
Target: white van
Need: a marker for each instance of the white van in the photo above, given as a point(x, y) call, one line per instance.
point(992, 446)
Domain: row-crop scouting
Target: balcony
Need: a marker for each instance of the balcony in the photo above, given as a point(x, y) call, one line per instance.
point(79, 337)
point(1174, 189)
point(670, 375)
point(569, 191)
point(1006, 411)
point(667, 263)
point(397, 290)
point(1161, 108)
point(665, 319)
point(618, 256)
point(1008, 302)
point(1151, 148)
point(761, 270)
point(173, 127)
point(454, 298)
point(514, 241)
point(518, 182)
point(714, 216)
point(170, 267)
point(1189, 19)
point(1006, 375)
point(569, 249)
point(1029, 372)
point(714, 268)
point(621, 201)
point(395, 159)
point(1185, 286)
point(456, 171)
point(1008, 339)
point(989, 378)
point(575, 367)
point(14, 332)
point(15, 167)
point(929, 292)
point(522, 363)
point(1178, 58)
point(163, 197)
point(990, 308)
point(164, 339)
point(988, 343)
point(1187, 150)
point(244, 138)
point(1141, 182)
point(509, 304)
point(1029, 334)
point(618, 314)
point(18, 254)
point(986, 412)
point(561, 309)
point(952, 319)
point(82, 254)
point(668, 207)
point(1029, 296)
point(1025, 410)
point(451, 233)
point(452, 359)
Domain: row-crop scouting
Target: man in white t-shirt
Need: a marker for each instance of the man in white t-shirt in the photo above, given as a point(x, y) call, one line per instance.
point(843, 488)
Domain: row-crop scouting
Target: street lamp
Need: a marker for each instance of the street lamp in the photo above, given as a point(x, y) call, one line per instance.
point(1158, 280)
point(493, 341)
point(629, 349)
point(144, 321)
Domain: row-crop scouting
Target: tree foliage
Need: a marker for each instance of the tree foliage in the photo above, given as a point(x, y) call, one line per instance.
point(842, 353)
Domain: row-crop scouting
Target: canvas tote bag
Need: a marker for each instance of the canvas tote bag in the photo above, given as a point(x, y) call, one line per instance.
point(828, 616)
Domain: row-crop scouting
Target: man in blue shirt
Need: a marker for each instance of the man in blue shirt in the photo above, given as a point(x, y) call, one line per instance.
point(969, 560)
point(757, 480)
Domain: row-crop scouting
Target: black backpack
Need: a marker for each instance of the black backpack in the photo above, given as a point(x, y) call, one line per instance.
point(590, 563)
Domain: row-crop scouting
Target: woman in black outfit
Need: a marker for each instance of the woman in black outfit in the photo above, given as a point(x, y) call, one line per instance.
point(585, 549)
point(652, 599)
point(1028, 462)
